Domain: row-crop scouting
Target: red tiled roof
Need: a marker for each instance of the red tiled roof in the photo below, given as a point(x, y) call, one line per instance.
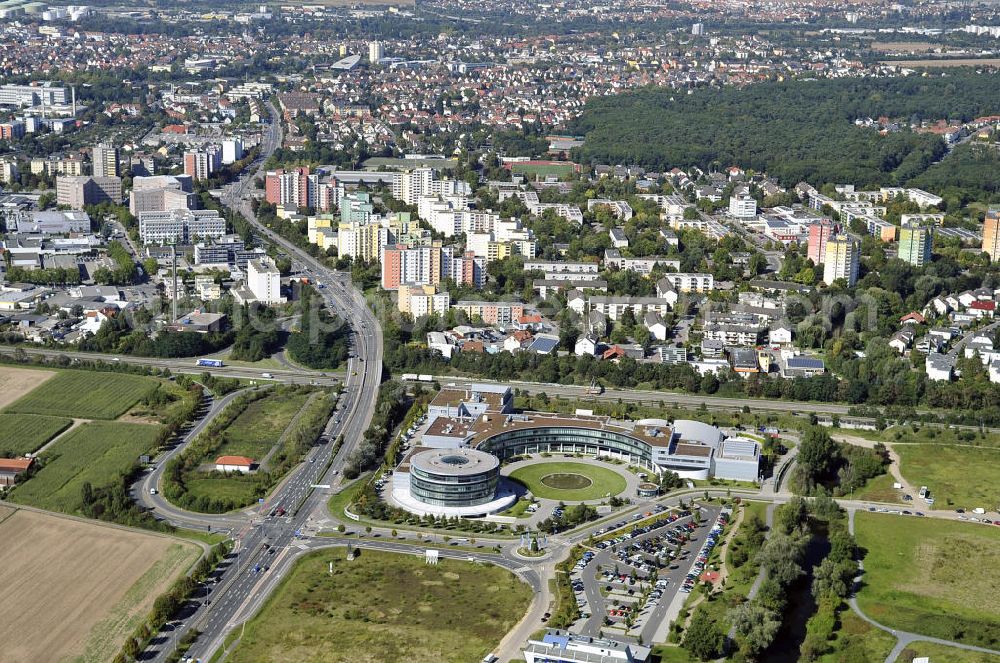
point(15, 464)
point(234, 460)
point(613, 353)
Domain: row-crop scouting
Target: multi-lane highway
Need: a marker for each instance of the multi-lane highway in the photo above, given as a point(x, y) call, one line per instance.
point(189, 366)
point(263, 537)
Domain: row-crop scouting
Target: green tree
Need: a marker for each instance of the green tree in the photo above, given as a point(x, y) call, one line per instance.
point(758, 625)
point(703, 638)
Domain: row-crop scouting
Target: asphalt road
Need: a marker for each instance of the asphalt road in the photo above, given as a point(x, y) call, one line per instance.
point(189, 366)
point(266, 541)
point(142, 490)
point(656, 397)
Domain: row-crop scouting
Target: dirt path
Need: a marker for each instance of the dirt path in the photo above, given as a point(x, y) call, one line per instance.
point(284, 434)
point(76, 424)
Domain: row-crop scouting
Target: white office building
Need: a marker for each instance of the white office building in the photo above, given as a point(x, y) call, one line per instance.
point(565, 647)
point(180, 226)
point(34, 95)
point(264, 281)
point(161, 193)
point(742, 206)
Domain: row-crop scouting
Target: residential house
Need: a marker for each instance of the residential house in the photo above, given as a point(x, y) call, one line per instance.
point(671, 354)
point(901, 340)
point(586, 345)
point(780, 336)
point(939, 367)
point(804, 367)
point(712, 348)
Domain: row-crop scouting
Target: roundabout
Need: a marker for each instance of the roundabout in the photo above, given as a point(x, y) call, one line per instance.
point(568, 481)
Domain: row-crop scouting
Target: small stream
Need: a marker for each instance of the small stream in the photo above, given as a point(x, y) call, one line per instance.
point(801, 604)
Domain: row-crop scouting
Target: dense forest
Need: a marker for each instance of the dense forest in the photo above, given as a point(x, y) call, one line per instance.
point(794, 130)
point(969, 173)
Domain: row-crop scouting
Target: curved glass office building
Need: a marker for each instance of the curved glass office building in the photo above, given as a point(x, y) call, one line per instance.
point(454, 477)
point(568, 439)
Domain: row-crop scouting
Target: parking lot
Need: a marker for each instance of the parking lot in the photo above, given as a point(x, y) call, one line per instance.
point(626, 583)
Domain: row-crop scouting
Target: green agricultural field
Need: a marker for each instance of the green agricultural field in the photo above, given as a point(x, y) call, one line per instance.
point(384, 608)
point(958, 476)
point(24, 433)
point(86, 395)
point(569, 482)
point(258, 427)
point(931, 576)
point(97, 452)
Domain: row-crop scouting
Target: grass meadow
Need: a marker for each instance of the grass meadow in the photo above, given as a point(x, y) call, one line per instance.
point(603, 481)
point(384, 608)
point(930, 576)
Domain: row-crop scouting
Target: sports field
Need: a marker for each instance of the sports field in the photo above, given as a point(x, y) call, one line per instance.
point(384, 608)
point(16, 382)
point(543, 170)
point(24, 433)
point(569, 482)
point(74, 590)
point(930, 576)
point(958, 476)
point(85, 395)
point(96, 452)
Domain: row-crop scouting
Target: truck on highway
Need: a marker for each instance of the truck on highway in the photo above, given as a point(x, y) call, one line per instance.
point(212, 363)
point(266, 375)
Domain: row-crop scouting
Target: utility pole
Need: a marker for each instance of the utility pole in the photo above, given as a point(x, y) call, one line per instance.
point(173, 261)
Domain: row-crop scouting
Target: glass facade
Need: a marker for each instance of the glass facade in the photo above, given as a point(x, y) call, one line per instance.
point(453, 490)
point(567, 439)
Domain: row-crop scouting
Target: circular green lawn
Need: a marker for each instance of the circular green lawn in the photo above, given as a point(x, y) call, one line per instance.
point(569, 482)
